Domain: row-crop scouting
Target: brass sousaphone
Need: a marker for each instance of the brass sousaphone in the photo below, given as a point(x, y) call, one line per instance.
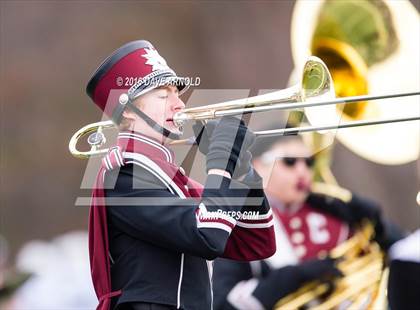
point(369, 47)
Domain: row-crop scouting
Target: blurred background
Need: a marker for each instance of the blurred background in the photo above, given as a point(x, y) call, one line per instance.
point(48, 51)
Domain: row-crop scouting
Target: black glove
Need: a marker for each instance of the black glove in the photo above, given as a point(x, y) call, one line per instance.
point(352, 212)
point(386, 232)
point(283, 281)
point(319, 269)
point(355, 211)
point(203, 132)
point(365, 209)
point(227, 138)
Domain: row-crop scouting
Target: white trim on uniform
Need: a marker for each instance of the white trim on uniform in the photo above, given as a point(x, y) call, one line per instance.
point(217, 225)
point(118, 157)
point(210, 272)
point(152, 172)
point(256, 225)
point(108, 162)
point(127, 135)
point(181, 273)
point(151, 165)
point(240, 296)
point(103, 176)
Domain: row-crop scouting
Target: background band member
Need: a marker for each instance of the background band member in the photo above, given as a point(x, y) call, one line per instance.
point(307, 226)
point(152, 246)
point(404, 273)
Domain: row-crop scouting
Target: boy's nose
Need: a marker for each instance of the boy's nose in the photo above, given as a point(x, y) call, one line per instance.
point(178, 104)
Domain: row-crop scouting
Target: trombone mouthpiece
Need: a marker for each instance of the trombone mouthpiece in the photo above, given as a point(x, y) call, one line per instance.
point(180, 118)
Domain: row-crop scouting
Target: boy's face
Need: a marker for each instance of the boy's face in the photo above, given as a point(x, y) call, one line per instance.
point(286, 175)
point(159, 104)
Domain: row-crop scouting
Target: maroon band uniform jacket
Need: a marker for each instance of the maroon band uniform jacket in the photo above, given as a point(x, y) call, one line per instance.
point(153, 232)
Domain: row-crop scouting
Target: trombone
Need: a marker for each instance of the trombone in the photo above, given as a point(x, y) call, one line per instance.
point(315, 89)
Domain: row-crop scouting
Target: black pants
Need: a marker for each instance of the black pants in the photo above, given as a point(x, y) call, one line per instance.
point(403, 285)
point(144, 306)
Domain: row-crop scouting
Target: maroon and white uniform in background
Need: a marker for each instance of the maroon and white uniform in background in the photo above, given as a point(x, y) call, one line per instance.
point(303, 233)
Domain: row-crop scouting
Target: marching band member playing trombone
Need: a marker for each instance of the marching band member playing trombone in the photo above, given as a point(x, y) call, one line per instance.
point(153, 231)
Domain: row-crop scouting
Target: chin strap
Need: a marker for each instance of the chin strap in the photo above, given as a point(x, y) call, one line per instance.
point(125, 101)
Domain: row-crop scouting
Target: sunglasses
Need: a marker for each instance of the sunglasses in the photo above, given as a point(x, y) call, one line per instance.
point(291, 161)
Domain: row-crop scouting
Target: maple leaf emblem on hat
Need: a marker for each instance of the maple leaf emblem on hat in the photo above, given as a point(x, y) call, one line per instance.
point(155, 60)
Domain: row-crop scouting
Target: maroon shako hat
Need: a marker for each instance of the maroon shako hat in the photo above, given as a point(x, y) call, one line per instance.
point(129, 72)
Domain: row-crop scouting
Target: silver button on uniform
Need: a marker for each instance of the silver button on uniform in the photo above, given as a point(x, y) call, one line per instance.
point(300, 251)
point(297, 237)
point(295, 223)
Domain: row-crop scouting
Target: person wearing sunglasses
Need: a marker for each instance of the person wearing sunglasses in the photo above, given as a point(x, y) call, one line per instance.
point(307, 225)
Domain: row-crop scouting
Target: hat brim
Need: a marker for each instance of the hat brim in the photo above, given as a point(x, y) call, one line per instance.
point(181, 83)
